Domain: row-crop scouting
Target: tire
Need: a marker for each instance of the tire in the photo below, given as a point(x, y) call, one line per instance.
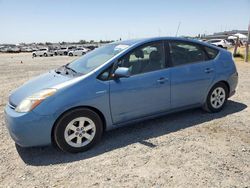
point(83, 53)
point(217, 98)
point(45, 55)
point(34, 55)
point(65, 53)
point(55, 54)
point(78, 130)
point(70, 54)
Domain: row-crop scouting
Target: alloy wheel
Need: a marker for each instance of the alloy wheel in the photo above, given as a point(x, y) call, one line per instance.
point(218, 97)
point(80, 132)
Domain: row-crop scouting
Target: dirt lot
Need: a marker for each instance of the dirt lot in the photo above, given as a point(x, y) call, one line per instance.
point(187, 149)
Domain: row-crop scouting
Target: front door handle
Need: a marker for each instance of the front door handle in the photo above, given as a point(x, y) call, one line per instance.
point(209, 70)
point(162, 80)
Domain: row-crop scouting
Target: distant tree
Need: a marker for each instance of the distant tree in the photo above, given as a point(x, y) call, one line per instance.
point(91, 41)
point(48, 43)
point(82, 41)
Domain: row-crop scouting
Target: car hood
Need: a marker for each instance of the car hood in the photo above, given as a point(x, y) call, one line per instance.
point(44, 81)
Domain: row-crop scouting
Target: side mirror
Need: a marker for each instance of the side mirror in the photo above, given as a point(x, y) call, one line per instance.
point(122, 72)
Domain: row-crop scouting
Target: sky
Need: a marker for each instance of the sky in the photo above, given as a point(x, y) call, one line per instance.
point(74, 20)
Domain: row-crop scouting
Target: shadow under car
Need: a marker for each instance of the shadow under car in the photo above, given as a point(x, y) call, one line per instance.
point(134, 133)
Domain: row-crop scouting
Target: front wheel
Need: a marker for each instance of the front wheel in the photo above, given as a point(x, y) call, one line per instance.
point(78, 130)
point(217, 98)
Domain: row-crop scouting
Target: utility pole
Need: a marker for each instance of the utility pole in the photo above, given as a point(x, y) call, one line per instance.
point(247, 44)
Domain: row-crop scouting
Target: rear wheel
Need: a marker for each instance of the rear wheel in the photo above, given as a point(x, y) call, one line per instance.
point(217, 98)
point(45, 55)
point(78, 130)
point(34, 55)
point(83, 53)
point(70, 54)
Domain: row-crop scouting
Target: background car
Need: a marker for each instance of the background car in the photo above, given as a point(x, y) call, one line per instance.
point(222, 43)
point(42, 52)
point(92, 47)
point(78, 52)
point(26, 49)
point(61, 51)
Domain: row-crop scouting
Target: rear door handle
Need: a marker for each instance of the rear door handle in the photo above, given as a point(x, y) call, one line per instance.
point(162, 80)
point(209, 70)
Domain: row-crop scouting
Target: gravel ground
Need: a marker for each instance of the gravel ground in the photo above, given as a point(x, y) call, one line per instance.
point(187, 149)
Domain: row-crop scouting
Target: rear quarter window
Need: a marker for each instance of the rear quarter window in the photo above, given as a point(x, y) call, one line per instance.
point(211, 52)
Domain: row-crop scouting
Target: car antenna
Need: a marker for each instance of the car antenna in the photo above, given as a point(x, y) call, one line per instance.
point(178, 29)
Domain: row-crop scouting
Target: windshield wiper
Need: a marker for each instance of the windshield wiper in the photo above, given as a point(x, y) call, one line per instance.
point(67, 67)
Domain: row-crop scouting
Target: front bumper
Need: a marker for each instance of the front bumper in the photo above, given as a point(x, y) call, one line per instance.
point(28, 129)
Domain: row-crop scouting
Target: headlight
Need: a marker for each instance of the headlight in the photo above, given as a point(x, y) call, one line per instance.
point(34, 100)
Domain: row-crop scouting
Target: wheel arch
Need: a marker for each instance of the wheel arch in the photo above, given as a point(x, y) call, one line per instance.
point(78, 107)
point(226, 83)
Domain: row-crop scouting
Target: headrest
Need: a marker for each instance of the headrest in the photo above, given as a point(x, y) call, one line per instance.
point(139, 53)
point(155, 56)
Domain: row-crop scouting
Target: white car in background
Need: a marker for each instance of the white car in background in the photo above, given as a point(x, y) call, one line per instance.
point(61, 51)
point(64, 50)
point(222, 43)
point(26, 49)
point(78, 52)
point(43, 52)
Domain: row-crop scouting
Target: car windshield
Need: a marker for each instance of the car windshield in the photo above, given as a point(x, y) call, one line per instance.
point(96, 58)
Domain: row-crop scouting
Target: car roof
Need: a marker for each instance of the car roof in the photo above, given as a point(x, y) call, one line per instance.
point(145, 40)
point(153, 39)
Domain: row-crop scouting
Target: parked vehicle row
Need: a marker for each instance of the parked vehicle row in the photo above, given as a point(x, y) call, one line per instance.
point(15, 49)
point(71, 51)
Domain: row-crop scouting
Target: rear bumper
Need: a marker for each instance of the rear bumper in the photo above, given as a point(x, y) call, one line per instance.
point(28, 129)
point(232, 93)
point(233, 82)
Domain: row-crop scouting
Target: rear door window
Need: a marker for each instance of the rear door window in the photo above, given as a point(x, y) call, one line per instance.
point(182, 53)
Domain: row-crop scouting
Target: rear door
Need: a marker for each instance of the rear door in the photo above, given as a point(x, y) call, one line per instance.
point(191, 73)
point(147, 90)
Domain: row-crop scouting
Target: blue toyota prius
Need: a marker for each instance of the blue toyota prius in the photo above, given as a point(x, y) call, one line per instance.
point(119, 83)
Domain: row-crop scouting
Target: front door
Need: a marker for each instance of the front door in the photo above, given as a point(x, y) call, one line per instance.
point(147, 90)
